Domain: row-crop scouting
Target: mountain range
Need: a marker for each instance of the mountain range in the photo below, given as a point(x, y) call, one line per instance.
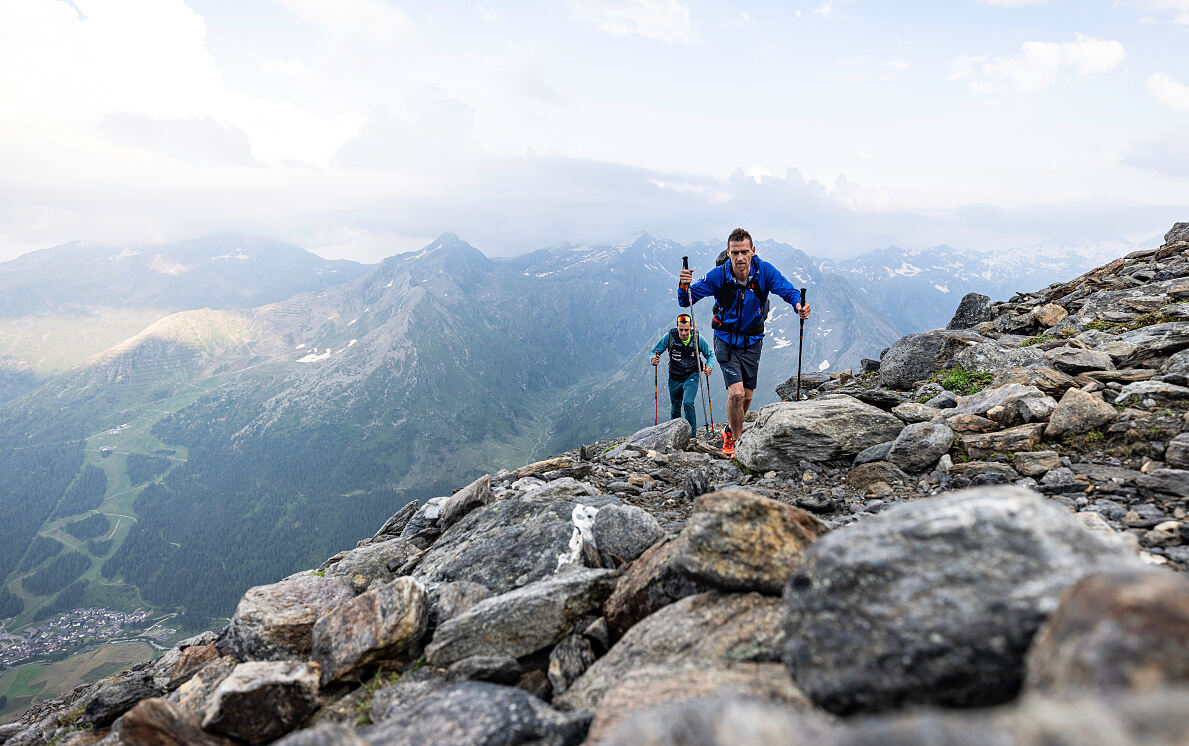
point(273, 406)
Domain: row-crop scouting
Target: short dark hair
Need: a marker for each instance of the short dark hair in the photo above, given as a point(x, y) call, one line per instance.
point(740, 235)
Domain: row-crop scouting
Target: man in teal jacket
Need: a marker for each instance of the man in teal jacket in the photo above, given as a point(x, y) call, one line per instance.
point(740, 288)
point(683, 367)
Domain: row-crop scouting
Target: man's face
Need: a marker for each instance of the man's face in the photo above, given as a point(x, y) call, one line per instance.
point(740, 253)
point(683, 328)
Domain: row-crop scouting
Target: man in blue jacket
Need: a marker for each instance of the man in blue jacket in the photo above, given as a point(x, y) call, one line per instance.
point(740, 288)
point(683, 367)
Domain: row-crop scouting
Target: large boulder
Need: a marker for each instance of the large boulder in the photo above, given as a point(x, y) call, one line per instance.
point(667, 437)
point(974, 308)
point(1158, 340)
point(1178, 232)
point(739, 541)
point(276, 622)
point(1078, 412)
point(708, 630)
point(623, 532)
point(380, 623)
point(823, 429)
point(522, 621)
point(508, 543)
point(984, 401)
point(1158, 391)
point(994, 356)
point(653, 581)
point(933, 601)
point(1120, 630)
point(464, 501)
point(918, 446)
point(1074, 360)
point(262, 701)
point(916, 357)
point(372, 565)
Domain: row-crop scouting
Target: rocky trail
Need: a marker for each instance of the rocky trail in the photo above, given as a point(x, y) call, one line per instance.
point(980, 538)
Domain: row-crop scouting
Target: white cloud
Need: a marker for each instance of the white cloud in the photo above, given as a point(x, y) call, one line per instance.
point(1166, 153)
point(823, 10)
point(896, 64)
point(1014, 3)
point(665, 20)
point(370, 19)
point(1038, 64)
point(289, 68)
point(1169, 92)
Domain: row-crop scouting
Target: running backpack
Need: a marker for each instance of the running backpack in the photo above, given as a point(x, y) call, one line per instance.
point(766, 305)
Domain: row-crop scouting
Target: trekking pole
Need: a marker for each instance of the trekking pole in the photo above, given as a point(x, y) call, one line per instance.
point(800, 342)
point(655, 380)
point(693, 326)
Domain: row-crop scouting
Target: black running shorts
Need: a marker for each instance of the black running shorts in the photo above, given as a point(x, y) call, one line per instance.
point(738, 363)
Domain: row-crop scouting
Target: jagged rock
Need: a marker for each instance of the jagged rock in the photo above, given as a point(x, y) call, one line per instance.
point(189, 660)
point(195, 695)
point(476, 712)
point(877, 452)
point(1049, 314)
point(830, 427)
point(521, 621)
point(1158, 340)
point(448, 600)
point(381, 623)
point(425, 517)
point(1077, 413)
point(1023, 410)
point(623, 532)
point(739, 541)
point(920, 445)
point(1176, 453)
point(653, 687)
point(992, 356)
point(865, 476)
point(982, 473)
point(654, 580)
point(943, 400)
point(699, 632)
point(940, 598)
point(115, 695)
point(568, 660)
point(373, 565)
point(916, 357)
point(157, 722)
point(911, 412)
point(867, 365)
point(667, 437)
point(1049, 380)
point(393, 527)
point(971, 423)
point(508, 543)
point(974, 308)
point(1177, 365)
point(262, 701)
point(881, 398)
point(275, 622)
point(1074, 360)
point(983, 401)
point(1178, 232)
point(1115, 630)
point(1035, 463)
point(1138, 392)
point(1167, 481)
point(1019, 438)
point(497, 669)
point(1118, 350)
point(409, 688)
point(787, 391)
point(324, 734)
point(464, 501)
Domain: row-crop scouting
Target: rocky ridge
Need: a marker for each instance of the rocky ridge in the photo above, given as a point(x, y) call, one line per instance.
point(981, 535)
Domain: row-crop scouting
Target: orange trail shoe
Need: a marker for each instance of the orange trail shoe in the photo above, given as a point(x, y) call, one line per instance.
point(728, 442)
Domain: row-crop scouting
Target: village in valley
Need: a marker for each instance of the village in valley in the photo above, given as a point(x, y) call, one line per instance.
point(74, 630)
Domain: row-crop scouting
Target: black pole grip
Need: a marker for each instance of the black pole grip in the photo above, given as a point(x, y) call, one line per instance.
point(802, 296)
point(685, 262)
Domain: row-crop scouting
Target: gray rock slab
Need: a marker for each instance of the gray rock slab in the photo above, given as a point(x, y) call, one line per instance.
point(464, 501)
point(395, 524)
point(912, 412)
point(823, 429)
point(981, 402)
point(729, 720)
point(425, 517)
point(1176, 453)
point(940, 597)
point(974, 308)
point(667, 437)
point(522, 621)
point(1166, 481)
point(113, 696)
point(1136, 392)
point(993, 356)
point(919, 445)
point(506, 544)
point(448, 600)
point(1074, 360)
point(707, 630)
point(1035, 463)
point(276, 622)
point(374, 564)
point(652, 581)
point(1158, 340)
point(474, 712)
point(877, 452)
point(1079, 412)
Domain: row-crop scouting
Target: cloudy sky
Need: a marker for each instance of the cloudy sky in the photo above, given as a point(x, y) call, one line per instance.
point(362, 128)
